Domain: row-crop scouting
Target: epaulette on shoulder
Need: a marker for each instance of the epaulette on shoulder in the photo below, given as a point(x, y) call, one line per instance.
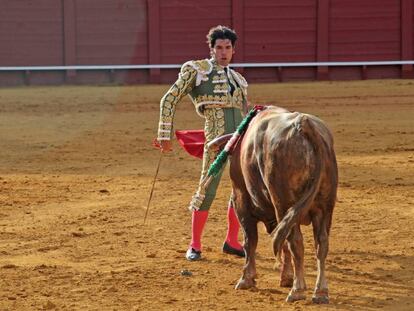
point(240, 79)
point(203, 66)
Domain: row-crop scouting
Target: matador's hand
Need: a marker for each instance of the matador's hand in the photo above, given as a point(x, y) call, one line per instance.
point(163, 145)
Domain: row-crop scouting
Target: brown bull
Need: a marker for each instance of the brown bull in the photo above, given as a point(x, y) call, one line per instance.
point(284, 174)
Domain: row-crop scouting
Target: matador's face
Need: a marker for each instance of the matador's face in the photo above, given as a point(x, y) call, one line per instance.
point(223, 51)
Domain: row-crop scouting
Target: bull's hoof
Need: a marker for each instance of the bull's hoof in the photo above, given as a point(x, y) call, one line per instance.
point(245, 284)
point(286, 282)
point(295, 295)
point(320, 296)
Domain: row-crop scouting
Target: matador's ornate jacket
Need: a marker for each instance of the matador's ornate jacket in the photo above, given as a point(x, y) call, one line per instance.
point(219, 95)
point(208, 86)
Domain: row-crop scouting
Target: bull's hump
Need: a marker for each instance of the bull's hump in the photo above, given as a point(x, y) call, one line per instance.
point(270, 119)
point(279, 121)
point(269, 124)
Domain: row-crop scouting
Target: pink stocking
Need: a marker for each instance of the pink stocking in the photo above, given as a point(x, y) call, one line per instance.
point(233, 229)
point(199, 219)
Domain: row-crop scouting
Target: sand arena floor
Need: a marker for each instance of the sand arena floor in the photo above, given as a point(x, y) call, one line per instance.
point(76, 169)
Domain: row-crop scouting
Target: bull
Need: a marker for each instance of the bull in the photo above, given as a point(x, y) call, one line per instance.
point(284, 174)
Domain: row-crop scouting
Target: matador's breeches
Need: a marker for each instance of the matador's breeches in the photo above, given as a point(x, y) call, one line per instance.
point(219, 121)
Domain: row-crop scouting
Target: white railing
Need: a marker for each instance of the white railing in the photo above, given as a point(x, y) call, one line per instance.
point(236, 65)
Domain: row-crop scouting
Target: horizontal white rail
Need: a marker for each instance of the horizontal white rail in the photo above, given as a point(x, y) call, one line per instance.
point(170, 66)
point(318, 64)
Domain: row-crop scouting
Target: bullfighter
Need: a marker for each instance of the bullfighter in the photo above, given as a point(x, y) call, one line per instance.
point(219, 95)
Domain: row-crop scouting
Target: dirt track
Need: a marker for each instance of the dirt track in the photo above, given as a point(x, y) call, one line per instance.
point(75, 175)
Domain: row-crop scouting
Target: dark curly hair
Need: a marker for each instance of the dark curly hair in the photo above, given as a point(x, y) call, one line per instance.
point(221, 32)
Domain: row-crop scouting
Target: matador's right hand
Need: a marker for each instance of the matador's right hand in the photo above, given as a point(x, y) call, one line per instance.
point(163, 145)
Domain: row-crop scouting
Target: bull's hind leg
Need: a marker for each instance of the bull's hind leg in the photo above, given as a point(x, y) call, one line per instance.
point(249, 226)
point(320, 233)
point(295, 241)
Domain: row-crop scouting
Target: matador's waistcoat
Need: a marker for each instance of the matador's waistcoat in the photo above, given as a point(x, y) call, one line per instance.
point(209, 86)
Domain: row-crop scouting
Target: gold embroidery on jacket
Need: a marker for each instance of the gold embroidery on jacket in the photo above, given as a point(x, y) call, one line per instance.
point(178, 90)
point(193, 74)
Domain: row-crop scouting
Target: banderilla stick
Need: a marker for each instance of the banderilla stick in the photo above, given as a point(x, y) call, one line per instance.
point(152, 188)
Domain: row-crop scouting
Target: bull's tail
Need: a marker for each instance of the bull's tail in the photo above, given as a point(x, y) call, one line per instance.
point(293, 215)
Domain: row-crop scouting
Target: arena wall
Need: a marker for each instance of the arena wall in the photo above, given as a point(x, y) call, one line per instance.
point(124, 32)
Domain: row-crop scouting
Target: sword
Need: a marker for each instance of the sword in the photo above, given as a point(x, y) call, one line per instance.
point(152, 188)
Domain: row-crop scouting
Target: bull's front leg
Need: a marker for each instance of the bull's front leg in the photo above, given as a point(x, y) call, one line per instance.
point(249, 226)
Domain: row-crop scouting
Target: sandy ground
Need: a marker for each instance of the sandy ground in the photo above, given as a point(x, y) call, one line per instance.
point(76, 168)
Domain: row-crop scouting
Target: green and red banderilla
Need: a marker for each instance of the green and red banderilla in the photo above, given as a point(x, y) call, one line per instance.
point(221, 159)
